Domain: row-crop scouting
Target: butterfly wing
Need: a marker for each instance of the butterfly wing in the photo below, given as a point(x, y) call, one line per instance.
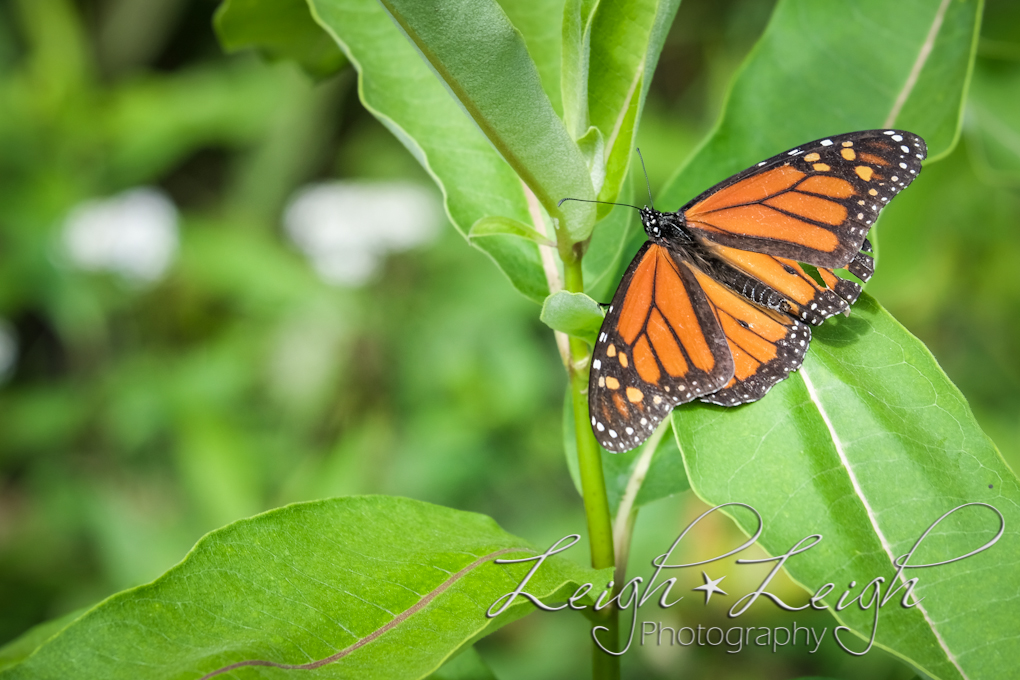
point(766, 345)
point(848, 290)
point(660, 345)
point(805, 298)
point(815, 203)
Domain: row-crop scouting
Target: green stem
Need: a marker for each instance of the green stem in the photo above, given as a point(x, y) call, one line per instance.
point(589, 457)
point(593, 487)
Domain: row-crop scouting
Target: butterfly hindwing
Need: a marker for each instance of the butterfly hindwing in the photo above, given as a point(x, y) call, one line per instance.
point(848, 290)
point(766, 345)
point(660, 345)
point(814, 203)
point(805, 298)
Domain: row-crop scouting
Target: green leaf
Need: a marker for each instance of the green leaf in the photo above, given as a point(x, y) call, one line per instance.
point(399, 88)
point(391, 587)
point(933, 107)
point(824, 68)
point(19, 648)
point(476, 51)
point(578, 16)
point(593, 146)
point(666, 475)
point(505, 226)
point(516, 258)
point(536, 20)
point(868, 445)
point(574, 314)
point(279, 29)
point(626, 39)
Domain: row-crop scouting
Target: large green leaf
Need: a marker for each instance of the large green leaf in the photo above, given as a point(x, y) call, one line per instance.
point(868, 446)
point(483, 60)
point(399, 88)
point(536, 20)
point(279, 29)
point(823, 68)
point(380, 587)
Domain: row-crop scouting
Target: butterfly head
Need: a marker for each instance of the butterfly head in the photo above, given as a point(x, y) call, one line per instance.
point(662, 226)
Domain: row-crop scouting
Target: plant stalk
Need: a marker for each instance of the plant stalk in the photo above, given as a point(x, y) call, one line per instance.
point(593, 488)
point(589, 457)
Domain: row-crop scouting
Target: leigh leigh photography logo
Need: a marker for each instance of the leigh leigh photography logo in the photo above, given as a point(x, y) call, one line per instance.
point(871, 596)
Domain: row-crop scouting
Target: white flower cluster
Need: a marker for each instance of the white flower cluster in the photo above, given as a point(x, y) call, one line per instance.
point(133, 234)
point(346, 228)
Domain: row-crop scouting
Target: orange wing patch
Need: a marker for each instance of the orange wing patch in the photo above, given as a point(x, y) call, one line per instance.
point(751, 190)
point(761, 221)
point(809, 207)
point(645, 363)
point(667, 349)
point(824, 185)
point(638, 300)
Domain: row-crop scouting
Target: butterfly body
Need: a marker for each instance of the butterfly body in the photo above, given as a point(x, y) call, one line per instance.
point(716, 305)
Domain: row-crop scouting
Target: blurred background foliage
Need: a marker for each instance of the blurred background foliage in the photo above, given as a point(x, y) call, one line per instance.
point(140, 409)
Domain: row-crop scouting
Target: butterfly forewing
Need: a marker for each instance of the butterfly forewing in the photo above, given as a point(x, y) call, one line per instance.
point(814, 203)
point(660, 345)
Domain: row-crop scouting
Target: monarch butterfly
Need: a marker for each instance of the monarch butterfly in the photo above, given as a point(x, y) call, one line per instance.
point(716, 305)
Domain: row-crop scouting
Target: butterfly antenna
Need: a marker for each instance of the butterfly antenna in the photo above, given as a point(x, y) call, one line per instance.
point(647, 184)
point(584, 200)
